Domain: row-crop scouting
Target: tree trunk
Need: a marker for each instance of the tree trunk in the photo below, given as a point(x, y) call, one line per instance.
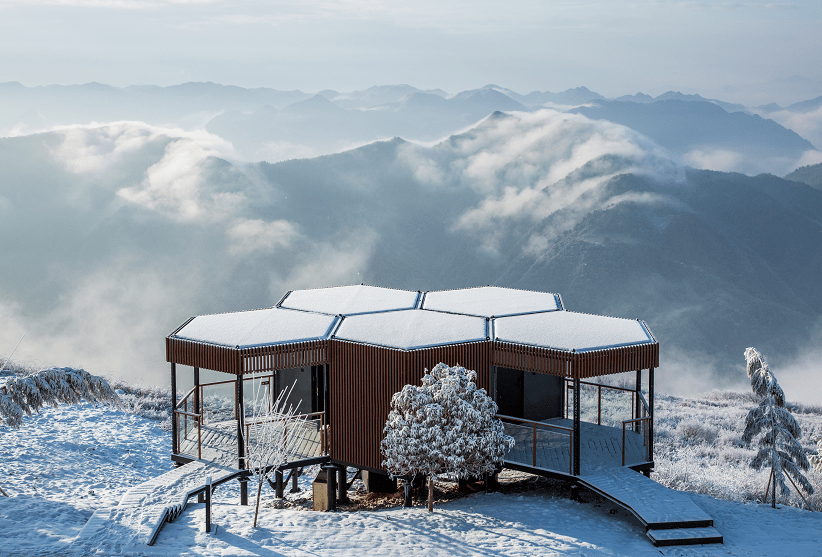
point(431, 493)
point(257, 508)
point(773, 496)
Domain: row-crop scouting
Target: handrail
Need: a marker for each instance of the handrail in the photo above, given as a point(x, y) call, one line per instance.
point(192, 414)
point(645, 404)
point(312, 415)
point(534, 425)
point(625, 423)
point(182, 400)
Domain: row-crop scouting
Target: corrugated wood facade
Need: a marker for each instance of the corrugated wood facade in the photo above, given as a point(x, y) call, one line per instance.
point(237, 361)
point(363, 380)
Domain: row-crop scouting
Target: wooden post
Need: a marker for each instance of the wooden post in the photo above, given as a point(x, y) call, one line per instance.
point(295, 475)
point(174, 441)
point(576, 425)
point(331, 486)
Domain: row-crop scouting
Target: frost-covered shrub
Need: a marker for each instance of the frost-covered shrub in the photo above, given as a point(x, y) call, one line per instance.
point(24, 394)
point(692, 430)
point(446, 425)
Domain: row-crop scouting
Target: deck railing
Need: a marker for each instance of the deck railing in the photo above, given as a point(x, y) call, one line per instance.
point(640, 420)
point(301, 420)
point(194, 411)
point(543, 426)
point(184, 417)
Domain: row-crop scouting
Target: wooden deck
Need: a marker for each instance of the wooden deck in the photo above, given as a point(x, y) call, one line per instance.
point(598, 445)
point(219, 442)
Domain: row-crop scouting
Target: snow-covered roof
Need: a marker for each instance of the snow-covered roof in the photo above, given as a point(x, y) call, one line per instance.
point(259, 327)
point(567, 330)
point(350, 300)
point(490, 301)
point(412, 329)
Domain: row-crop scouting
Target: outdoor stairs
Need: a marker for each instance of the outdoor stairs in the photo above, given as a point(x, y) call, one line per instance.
point(145, 508)
point(670, 517)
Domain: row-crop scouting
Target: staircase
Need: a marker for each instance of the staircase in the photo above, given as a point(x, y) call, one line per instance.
point(145, 508)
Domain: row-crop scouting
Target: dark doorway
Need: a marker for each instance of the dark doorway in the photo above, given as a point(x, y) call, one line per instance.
point(523, 394)
point(302, 395)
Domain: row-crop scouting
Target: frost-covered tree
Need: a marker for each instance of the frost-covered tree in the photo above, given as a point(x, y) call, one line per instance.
point(445, 426)
point(23, 394)
point(778, 445)
point(273, 434)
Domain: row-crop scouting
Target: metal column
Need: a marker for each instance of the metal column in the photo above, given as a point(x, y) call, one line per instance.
point(576, 425)
point(651, 413)
point(239, 407)
point(173, 408)
point(197, 390)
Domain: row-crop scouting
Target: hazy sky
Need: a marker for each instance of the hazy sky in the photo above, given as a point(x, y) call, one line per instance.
point(614, 47)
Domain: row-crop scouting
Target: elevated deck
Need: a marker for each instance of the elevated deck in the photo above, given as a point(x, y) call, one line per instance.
point(670, 517)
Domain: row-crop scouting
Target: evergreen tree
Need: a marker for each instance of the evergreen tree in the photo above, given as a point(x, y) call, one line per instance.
point(778, 445)
point(446, 425)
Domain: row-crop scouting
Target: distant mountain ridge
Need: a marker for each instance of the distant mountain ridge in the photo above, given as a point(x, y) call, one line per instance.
point(810, 174)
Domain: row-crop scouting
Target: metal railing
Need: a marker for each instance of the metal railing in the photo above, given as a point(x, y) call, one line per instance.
point(192, 412)
point(640, 421)
point(541, 425)
point(301, 420)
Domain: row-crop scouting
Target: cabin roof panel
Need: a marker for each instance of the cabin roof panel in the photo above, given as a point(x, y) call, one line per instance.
point(490, 301)
point(412, 329)
point(567, 330)
point(258, 327)
point(350, 300)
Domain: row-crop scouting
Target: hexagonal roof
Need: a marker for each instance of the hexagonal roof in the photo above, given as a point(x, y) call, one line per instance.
point(412, 329)
point(490, 301)
point(567, 330)
point(259, 327)
point(350, 300)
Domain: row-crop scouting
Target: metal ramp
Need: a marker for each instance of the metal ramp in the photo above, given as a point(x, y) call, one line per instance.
point(670, 517)
point(145, 508)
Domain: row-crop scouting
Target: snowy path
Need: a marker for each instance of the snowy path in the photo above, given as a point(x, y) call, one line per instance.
point(144, 509)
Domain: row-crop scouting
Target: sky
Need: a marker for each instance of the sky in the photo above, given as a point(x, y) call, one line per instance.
point(722, 49)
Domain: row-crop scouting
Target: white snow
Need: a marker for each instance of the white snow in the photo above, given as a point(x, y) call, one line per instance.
point(53, 464)
point(568, 330)
point(490, 301)
point(412, 329)
point(258, 327)
point(351, 300)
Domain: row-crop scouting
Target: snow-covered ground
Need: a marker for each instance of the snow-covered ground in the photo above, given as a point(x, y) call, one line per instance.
point(69, 461)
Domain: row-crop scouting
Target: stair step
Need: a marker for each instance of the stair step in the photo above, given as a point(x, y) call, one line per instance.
point(684, 536)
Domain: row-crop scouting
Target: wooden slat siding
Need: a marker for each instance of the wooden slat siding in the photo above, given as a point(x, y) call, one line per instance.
point(364, 378)
point(569, 364)
point(252, 360)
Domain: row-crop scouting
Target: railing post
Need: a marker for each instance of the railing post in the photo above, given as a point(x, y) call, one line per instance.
point(199, 437)
point(208, 505)
point(599, 405)
point(623, 443)
point(175, 444)
point(239, 410)
point(534, 446)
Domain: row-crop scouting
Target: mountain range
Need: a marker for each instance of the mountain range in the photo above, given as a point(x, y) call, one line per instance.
point(119, 233)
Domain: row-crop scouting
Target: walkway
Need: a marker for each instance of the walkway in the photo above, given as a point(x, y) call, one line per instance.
point(145, 508)
point(670, 517)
